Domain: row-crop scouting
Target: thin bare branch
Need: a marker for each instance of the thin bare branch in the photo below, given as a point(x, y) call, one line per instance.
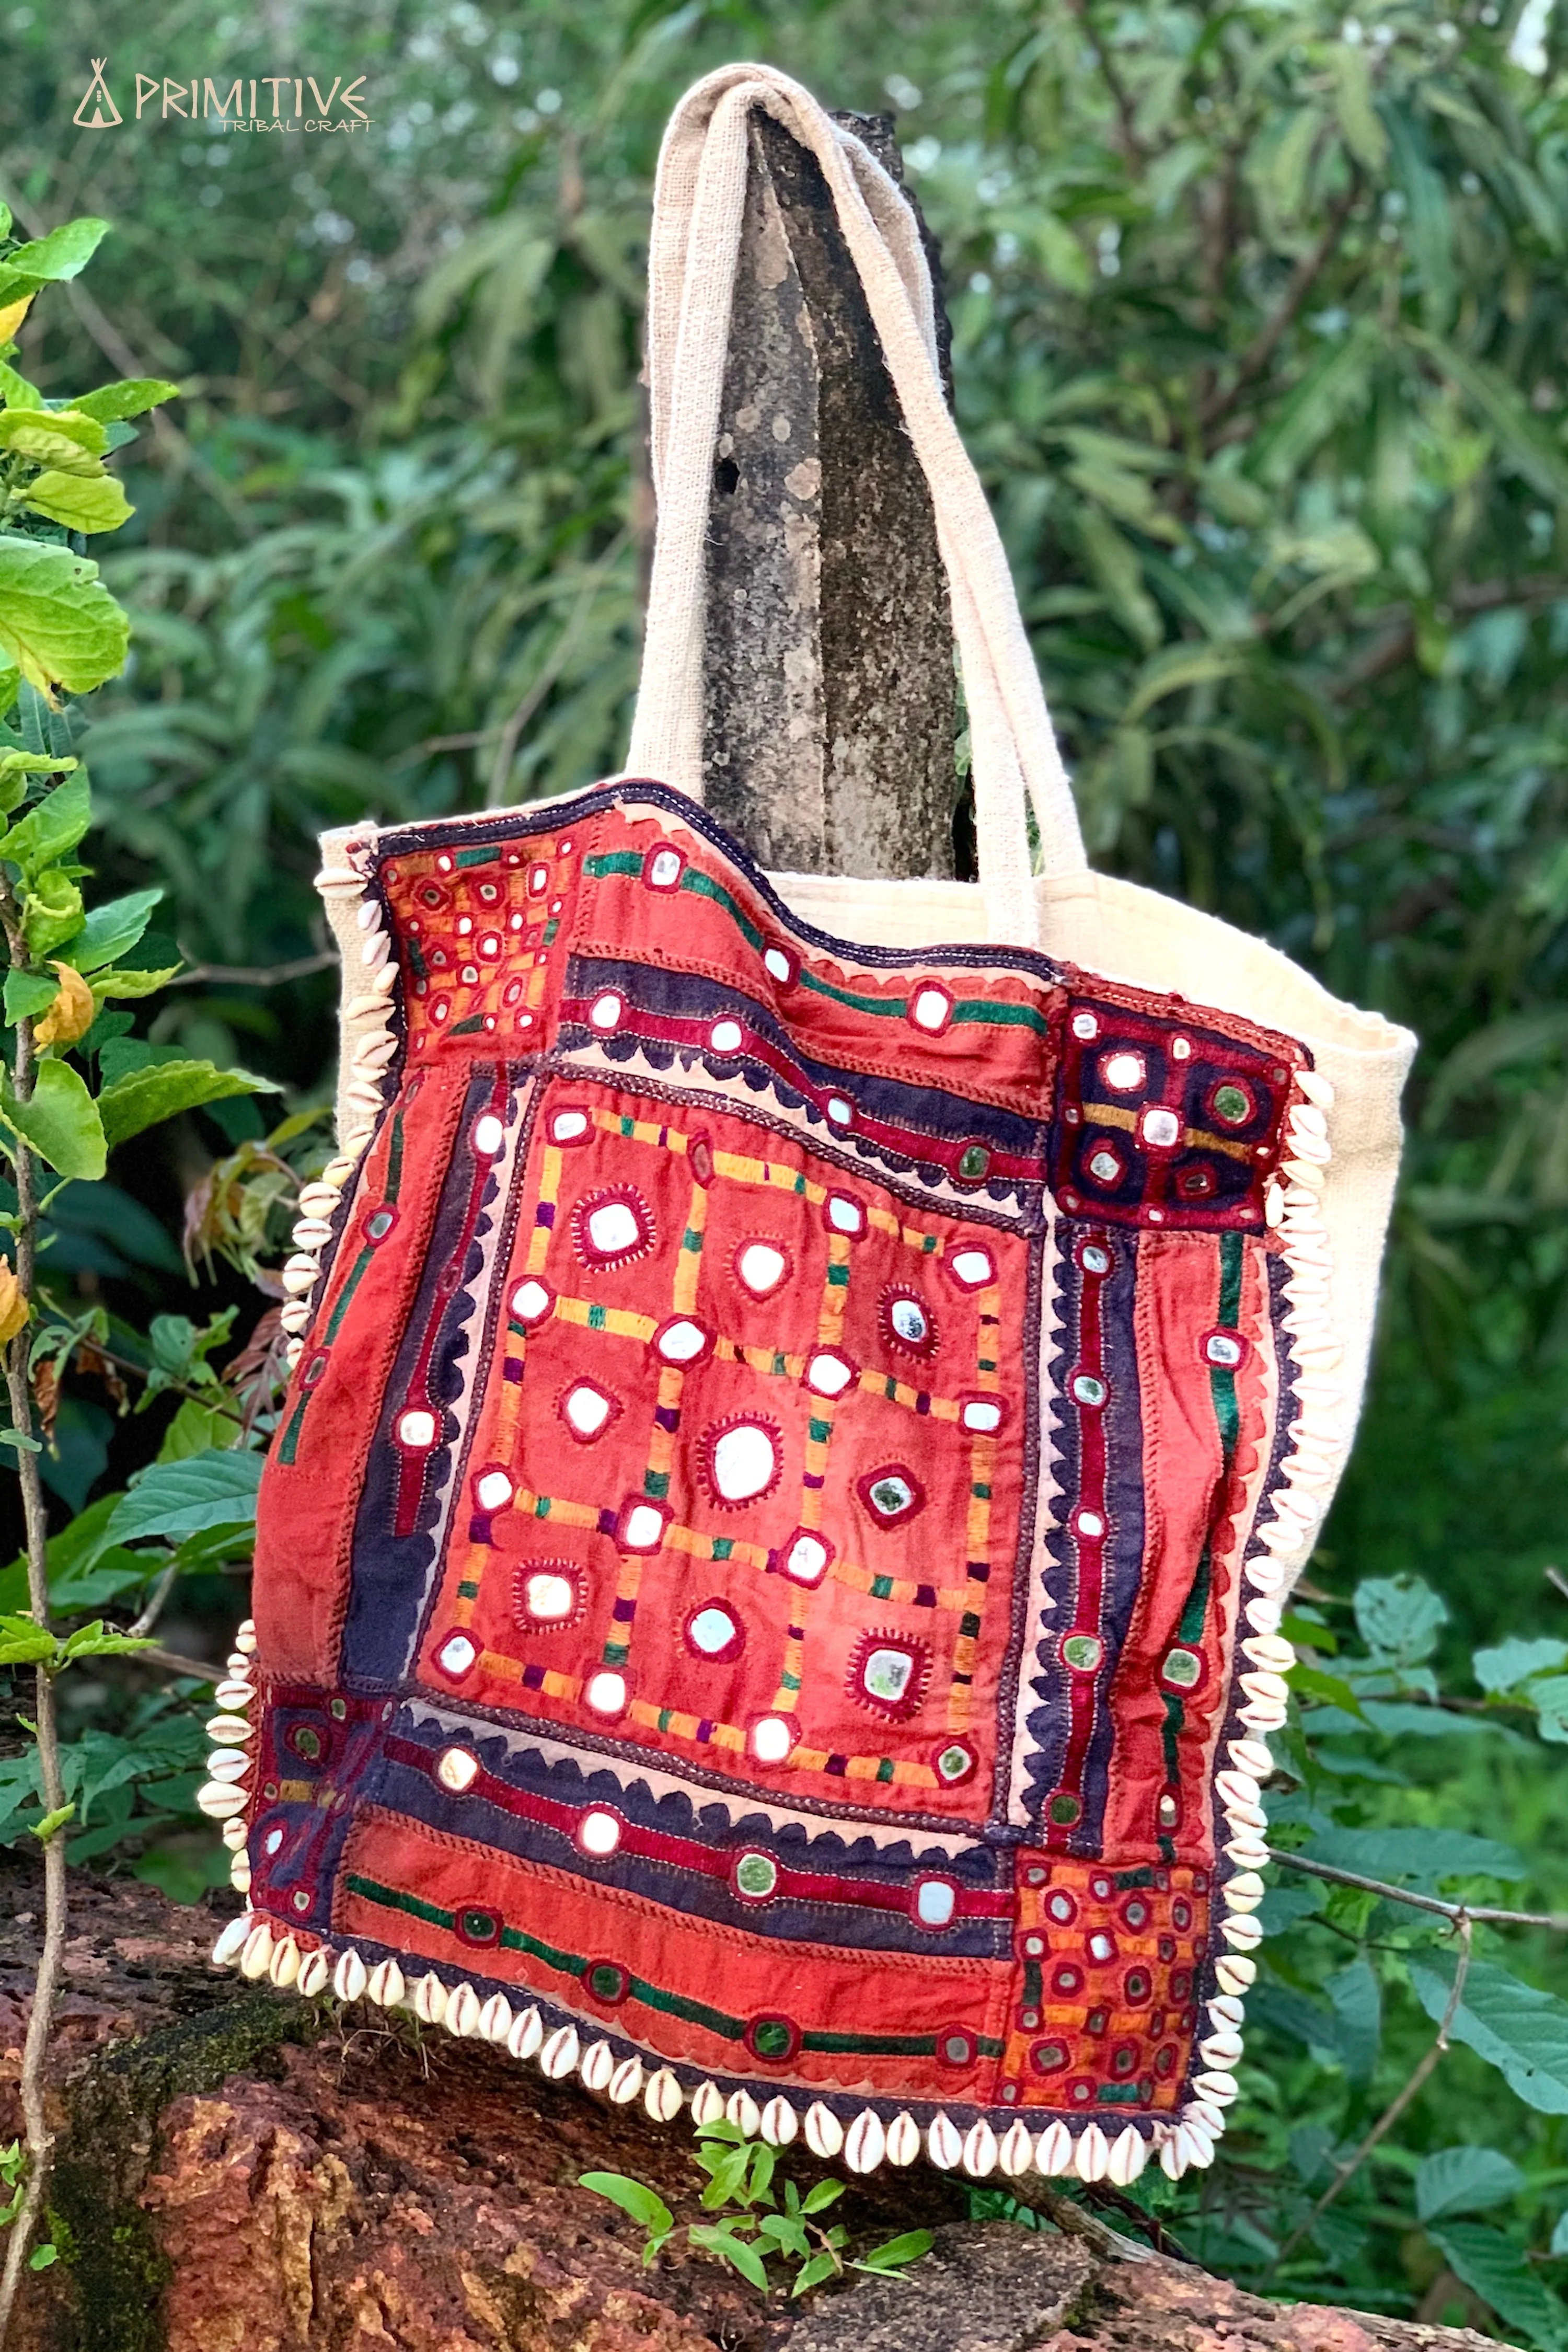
point(1458, 1912)
point(39, 2137)
point(1126, 114)
point(174, 1662)
point(1075, 2222)
point(1265, 343)
point(1347, 2171)
point(256, 975)
point(154, 1608)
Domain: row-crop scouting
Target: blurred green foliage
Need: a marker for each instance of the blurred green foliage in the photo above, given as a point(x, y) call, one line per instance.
point(1257, 315)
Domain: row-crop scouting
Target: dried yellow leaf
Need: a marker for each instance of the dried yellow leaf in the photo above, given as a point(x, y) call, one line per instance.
point(14, 1308)
point(12, 316)
point(70, 1016)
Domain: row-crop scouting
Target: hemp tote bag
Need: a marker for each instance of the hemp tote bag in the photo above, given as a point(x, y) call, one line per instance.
point(770, 1567)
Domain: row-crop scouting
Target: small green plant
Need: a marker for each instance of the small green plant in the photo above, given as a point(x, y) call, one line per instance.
point(743, 2174)
point(13, 2177)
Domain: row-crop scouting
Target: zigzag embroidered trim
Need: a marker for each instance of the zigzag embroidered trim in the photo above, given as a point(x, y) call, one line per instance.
point(1280, 1546)
point(371, 1014)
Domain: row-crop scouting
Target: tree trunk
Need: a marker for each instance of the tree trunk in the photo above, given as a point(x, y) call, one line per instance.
point(829, 737)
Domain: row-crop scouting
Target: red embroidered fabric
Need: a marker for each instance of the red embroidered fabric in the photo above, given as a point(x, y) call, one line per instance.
point(751, 1570)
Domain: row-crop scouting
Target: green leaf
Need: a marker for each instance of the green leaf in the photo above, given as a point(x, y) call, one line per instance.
point(1329, 1690)
point(142, 1098)
point(1400, 1616)
point(633, 2197)
point(64, 253)
point(16, 392)
point(46, 1828)
point(1464, 2180)
point(1336, 382)
point(199, 1428)
point(43, 2257)
point(1177, 667)
point(61, 1120)
point(23, 1642)
point(1356, 1997)
point(131, 396)
point(1515, 2027)
point(28, 993)
point(1363, 132)
point(16, 767)
point(812, 2274)
point(112, 929)
point(57, 622)
point(1528, 442)
point(35, 431)
point(100, 504)
point(51, 827)
point(172, 1499)
point(1559, 2235)
point(98, 1641)
point(897, 2251)
point(1416, 1853)
point(1497, 2269)
point(1549, 1697)
point(51, 911)
point(1516, 1661)
point(128, 984)
point(719, 2238)
point(818, 2199)
point(1113, 562)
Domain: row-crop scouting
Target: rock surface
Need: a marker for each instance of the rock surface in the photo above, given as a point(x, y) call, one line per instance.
point(238, 2173)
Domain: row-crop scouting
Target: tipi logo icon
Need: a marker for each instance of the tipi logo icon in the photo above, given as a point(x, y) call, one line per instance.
point(105, 114)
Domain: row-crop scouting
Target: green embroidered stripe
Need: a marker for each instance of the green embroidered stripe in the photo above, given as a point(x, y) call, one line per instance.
point(883, 1004)
point(724, 1548)
point(288, 1444)
point(703, 886)
point(672, 2005)
point(470, 1028)
point(1000, 1016)
point(478, 856)
point(393, 1158)
point(888, 2045)
point(356, 1276)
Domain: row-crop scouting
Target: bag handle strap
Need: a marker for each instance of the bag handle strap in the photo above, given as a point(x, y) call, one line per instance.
point(699, 205)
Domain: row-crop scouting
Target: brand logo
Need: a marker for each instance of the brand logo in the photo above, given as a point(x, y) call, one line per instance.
point(292, 102)
point(105, 114)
